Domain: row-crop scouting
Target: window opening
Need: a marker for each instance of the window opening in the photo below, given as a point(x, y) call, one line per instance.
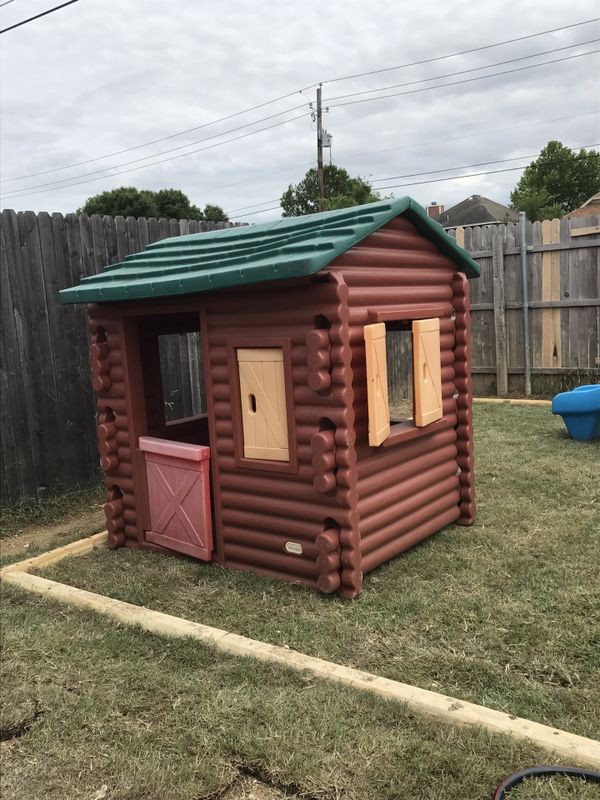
point(399, 351)
point(404, 385)
point(182, 376)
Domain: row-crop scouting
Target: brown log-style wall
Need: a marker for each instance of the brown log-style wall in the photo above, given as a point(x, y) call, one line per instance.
point(464, 400)
point(259, 509)
point(411, 488)
point(114, 435)
point(345, 507)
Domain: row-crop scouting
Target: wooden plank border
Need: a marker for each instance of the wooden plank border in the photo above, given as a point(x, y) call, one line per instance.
point(577, 749)
point(514, 401)
point(78, 548)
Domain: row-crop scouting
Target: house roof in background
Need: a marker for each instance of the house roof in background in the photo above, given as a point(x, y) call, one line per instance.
point(476, 210)
point(287, 248)
point(591, 206)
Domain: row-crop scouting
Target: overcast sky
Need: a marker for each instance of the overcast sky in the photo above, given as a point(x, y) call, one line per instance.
point(102, 76)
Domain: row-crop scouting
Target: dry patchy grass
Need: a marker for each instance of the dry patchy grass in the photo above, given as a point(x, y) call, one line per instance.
point(506, 613)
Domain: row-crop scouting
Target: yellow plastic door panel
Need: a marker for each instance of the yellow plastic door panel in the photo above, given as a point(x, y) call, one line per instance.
point(427, 371)
point(377, 387)
point(263, 401)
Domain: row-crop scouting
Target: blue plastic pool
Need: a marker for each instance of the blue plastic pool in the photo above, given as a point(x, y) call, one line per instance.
point(580, 410)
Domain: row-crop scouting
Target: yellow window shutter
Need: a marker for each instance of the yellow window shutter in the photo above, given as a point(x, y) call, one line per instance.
point(377, 387)
point(427, 371)
point(263, 401)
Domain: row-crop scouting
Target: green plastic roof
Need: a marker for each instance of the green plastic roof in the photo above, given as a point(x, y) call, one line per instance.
point(287, 248)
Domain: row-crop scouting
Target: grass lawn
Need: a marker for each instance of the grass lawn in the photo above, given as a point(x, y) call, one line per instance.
point(16, 516)
point(149, 717)
point(506, 613)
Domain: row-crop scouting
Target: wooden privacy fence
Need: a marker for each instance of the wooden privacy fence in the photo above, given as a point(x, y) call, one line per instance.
point(561, 302)
point(47, 420)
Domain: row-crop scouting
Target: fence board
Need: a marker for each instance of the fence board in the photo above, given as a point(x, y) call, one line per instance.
point(498, 277)
point(564, 305)
point(47, 419)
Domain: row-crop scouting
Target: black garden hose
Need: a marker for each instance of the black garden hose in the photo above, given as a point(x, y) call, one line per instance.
point(543, 772)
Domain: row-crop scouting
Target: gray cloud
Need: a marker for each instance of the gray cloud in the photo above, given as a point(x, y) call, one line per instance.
point(96, 77)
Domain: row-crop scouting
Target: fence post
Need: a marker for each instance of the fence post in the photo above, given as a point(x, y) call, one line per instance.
point(499, 313)
point(525, 279)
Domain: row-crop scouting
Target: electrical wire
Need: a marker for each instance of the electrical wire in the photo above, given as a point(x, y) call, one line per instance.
point(464, 71)
point(252, 213)
point(107, 171)
point(468, 166)
point(162, 152)
point(291, 94)
point(110, 170)
point(430, 172)
point(543, 772)
point(466, 80)
point(6, 3)
point(349, 156)
point(37, 16)
point(462, 52)
point(455, 177)
point(162, 161)
point(161, 139)
point(255, 205)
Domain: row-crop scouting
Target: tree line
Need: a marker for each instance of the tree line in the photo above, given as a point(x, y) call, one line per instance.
point(558, 181)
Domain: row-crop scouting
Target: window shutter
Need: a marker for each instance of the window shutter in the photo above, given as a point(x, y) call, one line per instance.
point(263, 401)
point(427, 371)
point(377, 387)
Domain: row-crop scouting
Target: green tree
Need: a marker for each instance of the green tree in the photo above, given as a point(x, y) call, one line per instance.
point(558, 181)
point(174, 204)
point(214, 213)
point(127, 201)
point(341, 191)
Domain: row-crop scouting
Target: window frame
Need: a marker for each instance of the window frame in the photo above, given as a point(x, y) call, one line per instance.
point(192, 417)
point(262, 342)
point(401, 432)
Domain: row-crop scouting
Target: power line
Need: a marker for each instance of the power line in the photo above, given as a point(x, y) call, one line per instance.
point(465, 80)
point(463, 52)
point(109, 170)
point(469, 135)
point(466, 166)
point(465, 71)
point(252, 213)
point(349, 156)
point(162, 161)
point(6, 3)
point(37, 16)
point(254, 205)
point(429, 172)
point(456, 177)
point(290, 94)
point(162, 138)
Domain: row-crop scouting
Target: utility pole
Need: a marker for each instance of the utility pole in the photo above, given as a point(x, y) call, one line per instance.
point(320, 173)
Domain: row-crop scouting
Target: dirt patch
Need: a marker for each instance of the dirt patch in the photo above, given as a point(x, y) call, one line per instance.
point(17, 715)
point(39, 536)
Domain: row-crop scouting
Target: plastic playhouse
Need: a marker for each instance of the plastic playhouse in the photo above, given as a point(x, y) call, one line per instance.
point(580, 410)
point(299, 468)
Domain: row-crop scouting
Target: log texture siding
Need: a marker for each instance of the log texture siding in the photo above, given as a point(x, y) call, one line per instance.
point(410, 489)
